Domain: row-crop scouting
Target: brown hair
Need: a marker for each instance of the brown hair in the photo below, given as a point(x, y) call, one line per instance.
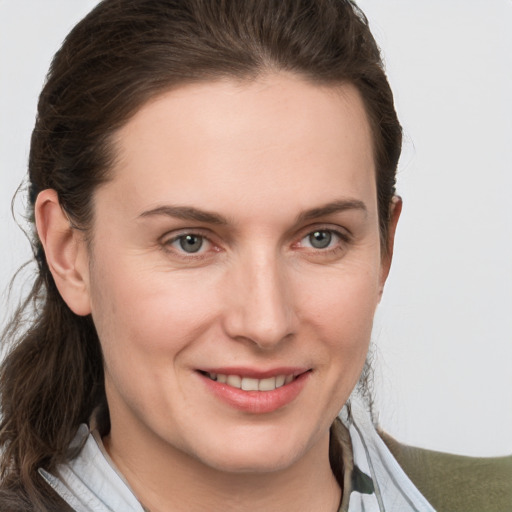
point(123, 53)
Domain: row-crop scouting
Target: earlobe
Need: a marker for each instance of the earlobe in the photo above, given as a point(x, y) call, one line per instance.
point(395, 211)
point(65, 250)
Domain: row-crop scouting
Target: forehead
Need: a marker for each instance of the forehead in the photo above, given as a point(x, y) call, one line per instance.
point(277, 138)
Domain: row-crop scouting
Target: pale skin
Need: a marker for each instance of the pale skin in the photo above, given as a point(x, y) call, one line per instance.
point(273, 181)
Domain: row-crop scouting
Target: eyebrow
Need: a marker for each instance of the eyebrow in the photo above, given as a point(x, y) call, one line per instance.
point(195, 214)
point(330, 208)
point(186, 213)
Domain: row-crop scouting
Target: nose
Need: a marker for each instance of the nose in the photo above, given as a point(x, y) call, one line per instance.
point(259, 305)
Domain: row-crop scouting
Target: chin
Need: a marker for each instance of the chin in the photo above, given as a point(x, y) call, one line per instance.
point(252, 463)
point(259, 454)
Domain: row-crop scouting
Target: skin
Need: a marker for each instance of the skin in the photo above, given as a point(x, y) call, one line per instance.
point(265, 157)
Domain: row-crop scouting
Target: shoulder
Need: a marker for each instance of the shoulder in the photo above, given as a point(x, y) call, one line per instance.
point(454, 482)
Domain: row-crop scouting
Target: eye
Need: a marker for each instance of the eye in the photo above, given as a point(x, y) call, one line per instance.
point(190, 243)
point(321, 239)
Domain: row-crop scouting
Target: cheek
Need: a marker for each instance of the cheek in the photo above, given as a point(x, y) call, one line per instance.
point(152, 313)
point(145, 324)
point(341, 317)
point(343, 298)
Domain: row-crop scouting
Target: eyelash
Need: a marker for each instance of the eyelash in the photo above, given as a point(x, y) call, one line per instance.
point(343, 238)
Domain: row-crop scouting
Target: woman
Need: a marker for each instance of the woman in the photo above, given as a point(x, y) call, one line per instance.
point(212, 185)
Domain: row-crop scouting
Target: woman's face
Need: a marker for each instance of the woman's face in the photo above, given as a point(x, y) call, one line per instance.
point(236, 245)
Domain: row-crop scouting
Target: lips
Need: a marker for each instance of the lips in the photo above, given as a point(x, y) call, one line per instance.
point(253, 391)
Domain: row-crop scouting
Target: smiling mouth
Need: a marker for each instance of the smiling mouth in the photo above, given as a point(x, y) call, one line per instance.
point(251, 384)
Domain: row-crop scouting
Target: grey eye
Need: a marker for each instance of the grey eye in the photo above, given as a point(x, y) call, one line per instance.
point(191, 243)
point(320, 239)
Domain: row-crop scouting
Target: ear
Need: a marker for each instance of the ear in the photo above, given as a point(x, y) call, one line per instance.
point(396, 210)
point(65, 250)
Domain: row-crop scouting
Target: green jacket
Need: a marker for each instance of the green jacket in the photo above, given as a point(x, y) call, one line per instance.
point(456, 483)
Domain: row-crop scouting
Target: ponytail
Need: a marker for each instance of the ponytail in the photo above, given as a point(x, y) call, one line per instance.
point(51, 381)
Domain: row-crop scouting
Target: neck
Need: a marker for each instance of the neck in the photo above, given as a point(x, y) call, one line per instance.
point(167, 479)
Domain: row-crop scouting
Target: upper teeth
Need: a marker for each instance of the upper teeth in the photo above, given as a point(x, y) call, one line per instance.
point(250, 384)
